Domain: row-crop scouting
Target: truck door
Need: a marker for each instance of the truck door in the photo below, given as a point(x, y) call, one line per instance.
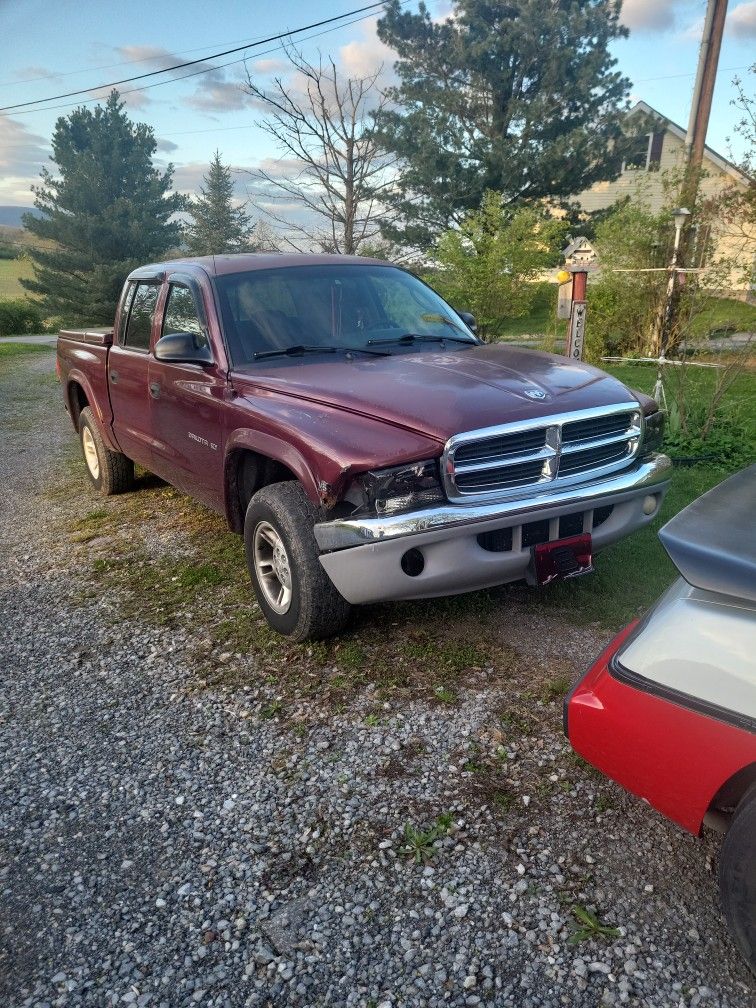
point(186, 403)
point(128, 371)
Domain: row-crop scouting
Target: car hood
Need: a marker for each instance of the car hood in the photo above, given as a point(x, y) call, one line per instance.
point(441, 393)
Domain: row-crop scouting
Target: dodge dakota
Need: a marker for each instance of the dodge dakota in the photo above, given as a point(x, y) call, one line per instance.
point(349, 423)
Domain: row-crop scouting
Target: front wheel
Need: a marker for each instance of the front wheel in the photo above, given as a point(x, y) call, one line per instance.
point(294, 592)
point(737, 877)
point(111, 472)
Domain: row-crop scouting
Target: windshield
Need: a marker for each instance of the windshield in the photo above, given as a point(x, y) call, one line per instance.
point(343, 307)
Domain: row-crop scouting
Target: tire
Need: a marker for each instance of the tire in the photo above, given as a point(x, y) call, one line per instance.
point(737, 877)
point(295, 594)
point(110, 472)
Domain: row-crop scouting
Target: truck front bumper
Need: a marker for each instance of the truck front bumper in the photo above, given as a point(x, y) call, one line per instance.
point(363, 556)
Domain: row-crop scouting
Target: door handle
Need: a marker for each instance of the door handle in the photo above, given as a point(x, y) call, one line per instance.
point(114, 377)
point(155, 389)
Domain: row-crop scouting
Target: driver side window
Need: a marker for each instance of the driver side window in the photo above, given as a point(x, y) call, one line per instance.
point(181, 315)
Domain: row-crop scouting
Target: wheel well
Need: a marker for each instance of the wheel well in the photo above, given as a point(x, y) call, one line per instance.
point(732, 791)
point(246, 473)
point(77, 400)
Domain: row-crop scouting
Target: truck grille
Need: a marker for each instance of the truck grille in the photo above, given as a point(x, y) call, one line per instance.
point(537, 454)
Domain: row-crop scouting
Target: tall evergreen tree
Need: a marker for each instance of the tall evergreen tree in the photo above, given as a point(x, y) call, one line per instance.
point(107, 208)
point(218, 226)
point(518, 97)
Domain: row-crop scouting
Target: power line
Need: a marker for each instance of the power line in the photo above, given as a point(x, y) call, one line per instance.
point(645, 80)
point(110, 66)
point(196, 73)
point(181, 66)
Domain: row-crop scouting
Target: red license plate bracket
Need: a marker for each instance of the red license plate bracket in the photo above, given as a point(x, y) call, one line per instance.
point(563, 559)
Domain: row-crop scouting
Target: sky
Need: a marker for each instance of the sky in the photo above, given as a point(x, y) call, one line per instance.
point(48, 49)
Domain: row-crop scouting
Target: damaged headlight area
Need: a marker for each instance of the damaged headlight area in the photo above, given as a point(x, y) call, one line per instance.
point(653, 431)
point(400, 488)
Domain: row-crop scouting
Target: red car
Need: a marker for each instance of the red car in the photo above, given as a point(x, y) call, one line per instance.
point(669, 709)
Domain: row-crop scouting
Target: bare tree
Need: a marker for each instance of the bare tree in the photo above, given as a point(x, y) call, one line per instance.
point(321, 122)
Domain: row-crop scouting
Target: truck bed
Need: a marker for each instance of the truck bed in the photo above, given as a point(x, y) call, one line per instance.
point(95, 337)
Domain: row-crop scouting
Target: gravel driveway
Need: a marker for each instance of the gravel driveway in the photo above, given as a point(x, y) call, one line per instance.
point(166, 843)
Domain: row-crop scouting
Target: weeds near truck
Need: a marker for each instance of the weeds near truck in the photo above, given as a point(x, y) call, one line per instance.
point(445, 695)
point(589, 926)
point(556, 687)
point(420, 845)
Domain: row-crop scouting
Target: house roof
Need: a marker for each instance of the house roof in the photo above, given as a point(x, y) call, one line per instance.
point(721, 162)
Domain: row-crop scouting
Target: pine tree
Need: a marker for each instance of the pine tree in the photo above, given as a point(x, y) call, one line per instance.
point(218, 226)
point(520, 98)
point(106, 208)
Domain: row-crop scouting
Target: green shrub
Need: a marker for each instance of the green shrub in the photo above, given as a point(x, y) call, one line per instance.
point(19, 316)
point(488, 264)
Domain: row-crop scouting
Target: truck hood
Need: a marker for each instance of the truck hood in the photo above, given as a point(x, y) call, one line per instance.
point(441, 393)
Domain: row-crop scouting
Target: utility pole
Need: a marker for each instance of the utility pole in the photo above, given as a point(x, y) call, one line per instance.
point(695, 143)
point(703, 93)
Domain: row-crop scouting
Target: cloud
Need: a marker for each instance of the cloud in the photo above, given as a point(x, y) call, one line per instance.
point(215, 89)
point(285, 168)
point(133, 100)
point(187, 179)
point(216, 92)
point(167, 146)
point(366, 56)
point(269, 66)
point(694, 31)
point(23, 154)
point(156, 57)
point(741, 21)
point(30, 73)
point(649, 15)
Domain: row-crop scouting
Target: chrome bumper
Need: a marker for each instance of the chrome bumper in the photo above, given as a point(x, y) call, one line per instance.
point(363, 557)
point(348, 532)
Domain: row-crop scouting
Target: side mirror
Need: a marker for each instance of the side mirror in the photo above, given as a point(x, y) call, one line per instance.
point(181, 348)
point(469, 320)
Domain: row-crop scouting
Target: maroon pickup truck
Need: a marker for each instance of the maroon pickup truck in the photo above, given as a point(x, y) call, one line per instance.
point(350, 424)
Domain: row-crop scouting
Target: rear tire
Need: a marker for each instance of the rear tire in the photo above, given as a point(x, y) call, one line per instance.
point(737, 877)
point(294, 593)
point(109, 471)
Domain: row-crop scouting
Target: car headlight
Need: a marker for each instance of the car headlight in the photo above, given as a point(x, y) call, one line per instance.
point(653, 431)
point(401, 488)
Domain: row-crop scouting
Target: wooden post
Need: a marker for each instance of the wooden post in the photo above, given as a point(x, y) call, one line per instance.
point(576, 335)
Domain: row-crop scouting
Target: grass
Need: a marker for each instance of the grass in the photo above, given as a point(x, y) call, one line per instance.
point(722, 316)
point(8, 350)
point(11, 272)
point(631, 574)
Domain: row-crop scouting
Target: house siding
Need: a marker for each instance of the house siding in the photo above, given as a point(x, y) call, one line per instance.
point(647, 188)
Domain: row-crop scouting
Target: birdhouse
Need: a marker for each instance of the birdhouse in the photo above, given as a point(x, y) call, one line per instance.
point(580, 252)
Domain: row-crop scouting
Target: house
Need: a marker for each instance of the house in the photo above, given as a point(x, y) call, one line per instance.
point(658, 154)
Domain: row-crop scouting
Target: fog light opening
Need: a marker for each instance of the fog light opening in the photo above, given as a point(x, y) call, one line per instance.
point(650, 504)
point(413, 563)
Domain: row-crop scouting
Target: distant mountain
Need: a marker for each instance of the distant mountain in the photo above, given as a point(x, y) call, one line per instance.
point(10, 216)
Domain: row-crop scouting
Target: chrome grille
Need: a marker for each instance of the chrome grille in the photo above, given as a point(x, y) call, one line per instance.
point(548, 451)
